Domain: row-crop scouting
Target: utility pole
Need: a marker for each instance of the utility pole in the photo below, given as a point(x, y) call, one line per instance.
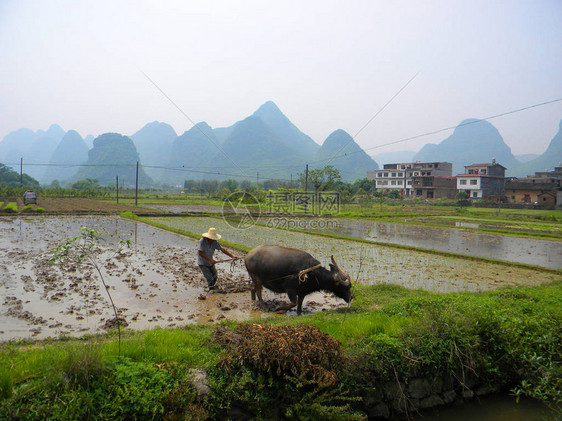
point(137, 186)
point(21, 172)
point(117, 187)
point(306, 189)
point(291, 181)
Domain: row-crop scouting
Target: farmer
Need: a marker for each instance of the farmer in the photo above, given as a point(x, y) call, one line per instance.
point(207, 246)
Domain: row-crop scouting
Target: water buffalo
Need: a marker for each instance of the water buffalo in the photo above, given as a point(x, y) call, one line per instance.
point(283, 269)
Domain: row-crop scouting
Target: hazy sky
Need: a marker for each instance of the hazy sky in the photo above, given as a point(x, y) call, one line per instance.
point(326, 64)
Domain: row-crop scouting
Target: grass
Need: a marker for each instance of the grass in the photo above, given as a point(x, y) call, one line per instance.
point(509, 337)
point(11, 207)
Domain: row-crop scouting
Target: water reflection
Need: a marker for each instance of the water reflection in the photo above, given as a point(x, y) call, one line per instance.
point(493, 408)
point(514, 249)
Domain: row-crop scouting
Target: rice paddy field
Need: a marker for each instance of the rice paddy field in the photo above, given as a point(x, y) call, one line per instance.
point(373, 264)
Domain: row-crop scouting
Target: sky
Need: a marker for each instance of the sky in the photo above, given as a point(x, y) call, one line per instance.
point(381, 70)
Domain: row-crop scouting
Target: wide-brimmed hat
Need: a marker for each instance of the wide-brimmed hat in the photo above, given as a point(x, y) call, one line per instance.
point(212, 234)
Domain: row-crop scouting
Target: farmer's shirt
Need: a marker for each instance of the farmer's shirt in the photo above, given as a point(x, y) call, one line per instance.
point(208, 250)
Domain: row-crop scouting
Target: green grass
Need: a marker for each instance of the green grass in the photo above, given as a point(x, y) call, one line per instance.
point(11, 207)
point(509, 337)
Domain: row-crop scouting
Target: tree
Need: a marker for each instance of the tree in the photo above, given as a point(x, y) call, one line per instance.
point(322, 178)
point(11, 178)
point(364, 184)
point(87, 184)
point(229, 184)
point(380, 194)
point(87, 246)
point(395, 194)
point(462, 198)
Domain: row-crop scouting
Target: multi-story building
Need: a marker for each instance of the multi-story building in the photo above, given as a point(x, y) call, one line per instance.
point(434, 187)
point(400, 176)
point(482, 181)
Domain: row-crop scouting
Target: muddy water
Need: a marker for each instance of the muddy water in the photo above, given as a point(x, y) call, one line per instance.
point(372, 263)
point(154, 283)
point(493, 408)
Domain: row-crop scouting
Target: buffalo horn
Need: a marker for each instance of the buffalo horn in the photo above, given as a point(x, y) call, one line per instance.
point(346, 280)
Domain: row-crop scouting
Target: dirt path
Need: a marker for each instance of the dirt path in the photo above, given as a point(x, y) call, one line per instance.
point(80, 205)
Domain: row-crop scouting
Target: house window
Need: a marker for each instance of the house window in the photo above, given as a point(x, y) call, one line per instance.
point(393, 174)
point(409, 182)
point(419, 192)
point(386, 174)
point(393, 182)
point(379, 174)
point(400, 174)
point(471, 171)
point(474, 194)
point(462, 182)
point(483, 171)
point(473, 182)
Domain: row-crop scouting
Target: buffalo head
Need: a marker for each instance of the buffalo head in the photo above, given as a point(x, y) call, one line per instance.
point(342, 282)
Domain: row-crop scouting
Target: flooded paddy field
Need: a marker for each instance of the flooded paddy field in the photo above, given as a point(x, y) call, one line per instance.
point(375, 263)
point(154, 283)
point(471, 243)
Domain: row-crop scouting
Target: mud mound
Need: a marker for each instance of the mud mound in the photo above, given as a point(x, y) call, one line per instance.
point(231, 284)
point(300, 351)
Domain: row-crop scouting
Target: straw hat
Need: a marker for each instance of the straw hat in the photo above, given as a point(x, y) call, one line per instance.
point(212, 234)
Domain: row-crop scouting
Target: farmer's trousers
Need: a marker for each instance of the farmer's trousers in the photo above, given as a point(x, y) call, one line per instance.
point(210, 274)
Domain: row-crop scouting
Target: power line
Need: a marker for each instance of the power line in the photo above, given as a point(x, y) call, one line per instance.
point(197, 169)
point(191, 121)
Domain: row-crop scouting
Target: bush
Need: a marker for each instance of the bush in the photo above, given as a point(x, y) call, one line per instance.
point(282, 372)
point(27, 209)
point(40, 210)
point(87, 388)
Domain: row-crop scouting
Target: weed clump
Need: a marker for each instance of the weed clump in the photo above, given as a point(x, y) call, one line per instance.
point(281, 372)
point(300, 351)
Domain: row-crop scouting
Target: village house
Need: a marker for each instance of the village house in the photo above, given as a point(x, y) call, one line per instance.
point(400, 176)
point(540, 189)
point(482, 181)
point(434, 187)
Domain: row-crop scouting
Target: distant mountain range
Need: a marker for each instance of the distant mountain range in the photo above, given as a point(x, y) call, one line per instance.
point(266, 142)
point(113, 155)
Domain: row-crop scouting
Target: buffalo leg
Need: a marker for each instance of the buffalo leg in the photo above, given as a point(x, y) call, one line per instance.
point(256, 288)
point(287, 307)
point(299, 304)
